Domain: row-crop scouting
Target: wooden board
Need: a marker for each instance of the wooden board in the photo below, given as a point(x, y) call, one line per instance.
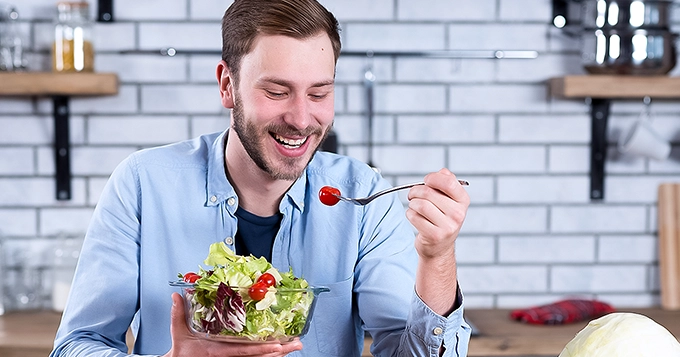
point(612, 87)
point(48, 83)
point(669, 245)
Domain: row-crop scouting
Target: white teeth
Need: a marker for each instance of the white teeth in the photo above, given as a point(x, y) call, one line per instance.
point(289, 142)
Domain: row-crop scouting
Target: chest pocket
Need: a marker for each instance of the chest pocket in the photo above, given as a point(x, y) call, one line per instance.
point(333, 321)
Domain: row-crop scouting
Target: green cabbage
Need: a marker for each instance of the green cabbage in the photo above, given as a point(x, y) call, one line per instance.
point(623, 334)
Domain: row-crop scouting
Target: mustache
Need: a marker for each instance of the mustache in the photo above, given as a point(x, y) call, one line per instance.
point(288, 130)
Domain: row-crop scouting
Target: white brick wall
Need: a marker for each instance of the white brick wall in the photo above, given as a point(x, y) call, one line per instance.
point(532, 234)
point(446, 10)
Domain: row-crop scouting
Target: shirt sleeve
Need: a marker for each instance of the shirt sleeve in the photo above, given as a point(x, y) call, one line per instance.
point(427, 331)
point(400, 323)
point(103, 301)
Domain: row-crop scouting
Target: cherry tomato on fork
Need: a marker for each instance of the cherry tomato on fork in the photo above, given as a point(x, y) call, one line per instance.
point(329, 195)
point(191, 277)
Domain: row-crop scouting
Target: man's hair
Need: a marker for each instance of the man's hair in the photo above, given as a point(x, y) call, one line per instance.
point(244, 20)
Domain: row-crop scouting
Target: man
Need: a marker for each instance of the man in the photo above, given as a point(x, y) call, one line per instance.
point(163, 207)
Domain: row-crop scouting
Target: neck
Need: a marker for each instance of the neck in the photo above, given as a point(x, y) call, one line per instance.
point(258, 192)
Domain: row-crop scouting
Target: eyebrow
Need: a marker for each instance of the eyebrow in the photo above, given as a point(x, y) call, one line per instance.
point(285, 83)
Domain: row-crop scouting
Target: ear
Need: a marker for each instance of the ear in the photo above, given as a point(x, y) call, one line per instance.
point(225, 82)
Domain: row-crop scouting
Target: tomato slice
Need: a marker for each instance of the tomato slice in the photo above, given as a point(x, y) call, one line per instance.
point(257, 291)
point(191, 277)
point(267, 279)
point(329, 195)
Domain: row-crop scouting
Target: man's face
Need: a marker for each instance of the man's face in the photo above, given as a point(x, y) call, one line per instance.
point(283, 105)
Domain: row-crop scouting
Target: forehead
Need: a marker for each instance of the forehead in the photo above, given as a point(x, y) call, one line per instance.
point(290, 58)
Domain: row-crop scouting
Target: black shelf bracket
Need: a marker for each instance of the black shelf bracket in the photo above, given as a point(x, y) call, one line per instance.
point(62, 147)
point(560, 13)
point(599, 115)
point(105, 11)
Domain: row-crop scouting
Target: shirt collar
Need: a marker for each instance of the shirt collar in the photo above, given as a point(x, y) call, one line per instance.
point(218, 188)
point(296, 194)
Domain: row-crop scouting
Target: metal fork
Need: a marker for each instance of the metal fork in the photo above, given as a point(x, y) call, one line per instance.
point(365, 200)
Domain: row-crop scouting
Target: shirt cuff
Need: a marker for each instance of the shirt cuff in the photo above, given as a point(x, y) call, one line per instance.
point(435, 330)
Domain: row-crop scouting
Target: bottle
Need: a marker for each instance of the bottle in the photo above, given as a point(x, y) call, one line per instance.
point(72, 50)
point(11, 41)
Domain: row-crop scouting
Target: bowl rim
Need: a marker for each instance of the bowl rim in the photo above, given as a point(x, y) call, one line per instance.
point(316, 289)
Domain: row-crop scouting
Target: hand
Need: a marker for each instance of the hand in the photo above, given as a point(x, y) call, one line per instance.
point(437, 211)
point(184, 343)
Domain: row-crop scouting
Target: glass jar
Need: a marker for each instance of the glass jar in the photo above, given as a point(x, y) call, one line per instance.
point(72, 50)
point(66, 253)
point(11, 40)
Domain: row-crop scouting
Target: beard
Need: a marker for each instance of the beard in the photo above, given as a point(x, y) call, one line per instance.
point(253, 140)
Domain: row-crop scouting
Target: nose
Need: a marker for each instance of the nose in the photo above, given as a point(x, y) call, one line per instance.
point(298, 114)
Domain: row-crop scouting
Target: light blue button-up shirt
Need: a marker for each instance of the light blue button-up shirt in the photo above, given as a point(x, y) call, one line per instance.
point(163, 207)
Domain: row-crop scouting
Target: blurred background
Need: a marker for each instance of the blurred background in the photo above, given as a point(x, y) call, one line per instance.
point(421, 85)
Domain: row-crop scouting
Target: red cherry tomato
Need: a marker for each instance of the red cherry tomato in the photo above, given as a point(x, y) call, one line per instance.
point(257, 291)
point(328, 195)
point(267, 279)
point(191, 277)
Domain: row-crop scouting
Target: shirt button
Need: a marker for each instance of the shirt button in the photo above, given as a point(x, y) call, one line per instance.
point(229, 240)
point(213, 199)
point(231, 201)
point(437, 331)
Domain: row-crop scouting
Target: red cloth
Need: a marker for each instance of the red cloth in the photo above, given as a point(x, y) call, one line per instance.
point(562, 312)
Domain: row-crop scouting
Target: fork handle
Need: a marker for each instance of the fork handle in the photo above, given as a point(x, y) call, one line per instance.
point(408, 185)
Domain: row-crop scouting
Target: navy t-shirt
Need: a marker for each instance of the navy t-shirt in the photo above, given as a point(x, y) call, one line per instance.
point(255, 234)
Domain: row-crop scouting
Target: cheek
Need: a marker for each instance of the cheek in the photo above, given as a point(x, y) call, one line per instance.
point(264, 108)
point(325, 112)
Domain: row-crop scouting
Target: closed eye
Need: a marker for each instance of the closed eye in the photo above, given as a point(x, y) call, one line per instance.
point(274, 94)
point(318, 96)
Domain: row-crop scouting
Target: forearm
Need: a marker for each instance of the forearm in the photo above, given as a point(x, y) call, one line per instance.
point(437, 282)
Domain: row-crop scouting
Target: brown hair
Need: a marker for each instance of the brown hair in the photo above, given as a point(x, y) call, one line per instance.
point(244, 20)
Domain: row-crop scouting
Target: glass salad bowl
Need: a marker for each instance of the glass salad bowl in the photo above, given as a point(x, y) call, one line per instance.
point(229, 314)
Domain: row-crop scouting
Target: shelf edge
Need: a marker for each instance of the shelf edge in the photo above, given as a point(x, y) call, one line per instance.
point(49, 84)
point(615, 87)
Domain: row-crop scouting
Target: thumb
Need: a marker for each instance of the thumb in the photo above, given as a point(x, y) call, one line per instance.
point(178, 325)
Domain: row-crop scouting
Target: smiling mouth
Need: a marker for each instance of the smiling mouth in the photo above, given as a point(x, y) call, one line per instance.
point(290, 143)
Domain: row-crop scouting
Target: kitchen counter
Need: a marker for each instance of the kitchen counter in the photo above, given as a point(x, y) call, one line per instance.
point(30, 334)
point(500, 336)
point(27, 334)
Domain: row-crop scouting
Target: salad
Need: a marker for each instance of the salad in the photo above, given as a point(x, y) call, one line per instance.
point(247, 297)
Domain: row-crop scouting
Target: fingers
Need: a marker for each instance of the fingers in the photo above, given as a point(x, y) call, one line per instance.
point(292, 346)
point(447, 183)
point(437, 211)
point(442, 191)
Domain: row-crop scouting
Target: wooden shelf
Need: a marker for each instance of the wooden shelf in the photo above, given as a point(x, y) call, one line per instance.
point(601, 90)
point(615, 87)
point(50, 84)
point(60, 86)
